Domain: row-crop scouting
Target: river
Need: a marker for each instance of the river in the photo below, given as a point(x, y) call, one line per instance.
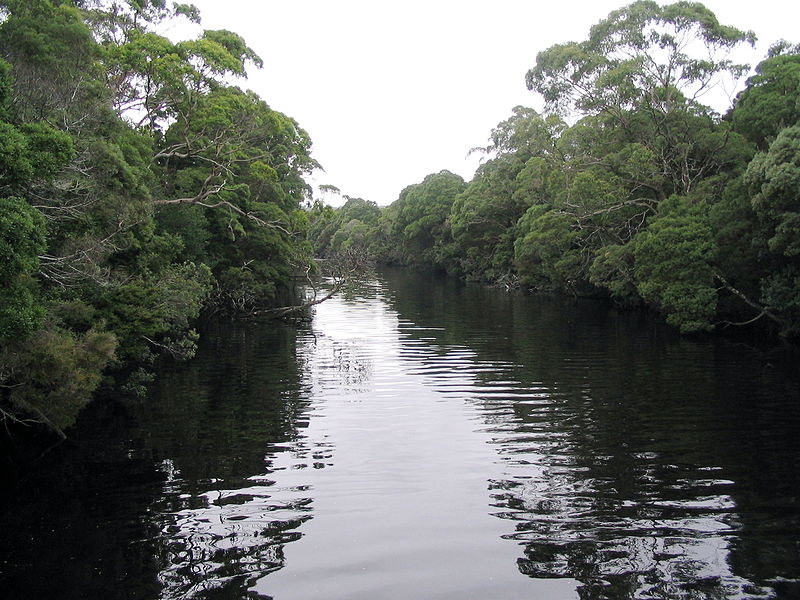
point(425, 439)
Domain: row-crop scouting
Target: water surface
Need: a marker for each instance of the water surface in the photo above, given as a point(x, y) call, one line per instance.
point(424, 439)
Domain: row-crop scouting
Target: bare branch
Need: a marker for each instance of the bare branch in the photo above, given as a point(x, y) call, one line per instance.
point(199, 200)
point(763, 311)
point(346, 266)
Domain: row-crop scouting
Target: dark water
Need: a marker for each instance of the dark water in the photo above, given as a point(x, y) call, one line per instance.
point(421, 439)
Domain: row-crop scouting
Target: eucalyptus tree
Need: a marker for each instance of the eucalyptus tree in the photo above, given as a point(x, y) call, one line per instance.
point(222, 153)
point(660, 59)
point(334, 230)
point(420, 219)
point(242, 165)
point(135, 181)
point(771, 100)
point(643, 135)
point(483, 218)
point(47, 372)
point(22, 239)
point(644, 70)
point(773, 179)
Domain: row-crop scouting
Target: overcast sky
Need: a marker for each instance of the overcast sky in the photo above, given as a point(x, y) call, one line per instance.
point(393, 91)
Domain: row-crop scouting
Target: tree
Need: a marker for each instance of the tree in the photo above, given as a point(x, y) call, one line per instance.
point(773, 179)
point(54, 372)
point(642, 172)
point(137, 187)
point(674, 266)
point(771, 100)
point(525, 133)
point(662, 58)
point(545, 252)
point(54, 63)
point(483, 218)
point(151, 79)
point(243, 164)
point(22, 239)
point(644, 69)
point(344, 227)
point(421, 212)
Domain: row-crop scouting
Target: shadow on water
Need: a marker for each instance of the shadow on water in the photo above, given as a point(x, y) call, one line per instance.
point(640, 463)
point(157, 499)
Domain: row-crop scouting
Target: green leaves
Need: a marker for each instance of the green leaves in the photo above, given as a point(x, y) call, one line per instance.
point(771, 100)
point(31, 151)
point(482, 215)
point(774, 182)
point(422, 210)
point(635, 51)
point(58, 372)
point(613, 269)
point(674, 258)
point(525, 133)
point(346, 227)
point(545, 252)
point(641, 73)
point(103, 122)
point(22, 239)
point(154, 80)
point(223, 52)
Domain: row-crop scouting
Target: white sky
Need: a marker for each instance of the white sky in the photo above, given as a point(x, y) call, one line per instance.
point(392, 91)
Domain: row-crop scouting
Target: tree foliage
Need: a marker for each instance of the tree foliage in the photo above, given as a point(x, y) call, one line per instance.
point(641, 57)
point(420, 217)
point(138, 187)
point(771, 100)
point(773, 179)
point(22, 239)
point(628, 185)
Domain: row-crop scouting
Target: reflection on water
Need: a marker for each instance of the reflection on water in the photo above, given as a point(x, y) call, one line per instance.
point(630, 459)
point(231, 430)
point(423, 439)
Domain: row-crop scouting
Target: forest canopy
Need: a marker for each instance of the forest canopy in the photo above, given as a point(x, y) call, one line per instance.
point(627, 184)
point(138, 187)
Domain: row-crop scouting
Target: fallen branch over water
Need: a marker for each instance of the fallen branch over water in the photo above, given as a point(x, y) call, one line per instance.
point(346, 266)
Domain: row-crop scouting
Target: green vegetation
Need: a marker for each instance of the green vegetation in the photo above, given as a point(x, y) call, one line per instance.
point(627, 185)
point(138, 187)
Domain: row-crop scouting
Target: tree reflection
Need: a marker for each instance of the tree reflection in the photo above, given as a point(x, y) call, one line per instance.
point(637, 462)
point(235, 428)
point(200, 497)
point(232, 425)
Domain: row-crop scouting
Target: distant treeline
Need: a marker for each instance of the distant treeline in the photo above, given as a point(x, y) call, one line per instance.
point(137, 187)
point(628, 185)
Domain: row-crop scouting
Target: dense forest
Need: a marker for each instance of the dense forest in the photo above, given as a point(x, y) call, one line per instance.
point(627, 185)
point(138, 187)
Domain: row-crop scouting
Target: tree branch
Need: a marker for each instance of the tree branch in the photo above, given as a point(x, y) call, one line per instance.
point(763, 311)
